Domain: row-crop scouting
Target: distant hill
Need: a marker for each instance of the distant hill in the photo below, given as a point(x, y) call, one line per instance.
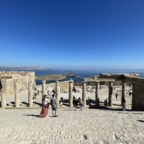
point(4, 68)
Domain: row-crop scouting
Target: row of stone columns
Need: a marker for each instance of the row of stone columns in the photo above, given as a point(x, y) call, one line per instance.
point(30, 94)
point(16, 96)
point(97, 93)
point(57, 90)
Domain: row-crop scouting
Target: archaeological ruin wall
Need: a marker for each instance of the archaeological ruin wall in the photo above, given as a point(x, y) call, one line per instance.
point(138, 92)
point(8, 78)
point(64, 86)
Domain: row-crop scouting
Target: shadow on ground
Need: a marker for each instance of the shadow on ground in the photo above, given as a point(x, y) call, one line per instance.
point(102, 107)
point(31, 115)
point(140, 120)
point(37, 103)
point(25, 103)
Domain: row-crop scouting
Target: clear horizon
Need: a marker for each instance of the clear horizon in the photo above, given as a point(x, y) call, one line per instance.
point(72, 34)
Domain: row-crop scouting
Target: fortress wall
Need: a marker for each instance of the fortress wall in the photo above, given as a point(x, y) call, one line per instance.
point(8, 79)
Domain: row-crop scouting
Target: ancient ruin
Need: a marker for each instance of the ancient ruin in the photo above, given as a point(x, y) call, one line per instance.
point(13, 82)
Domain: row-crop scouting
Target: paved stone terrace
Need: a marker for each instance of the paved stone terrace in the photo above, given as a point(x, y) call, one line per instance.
point(90, 126)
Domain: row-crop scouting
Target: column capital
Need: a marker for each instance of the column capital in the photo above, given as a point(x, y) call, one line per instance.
point(43, 81)
point(71, 81)
point(57, 81)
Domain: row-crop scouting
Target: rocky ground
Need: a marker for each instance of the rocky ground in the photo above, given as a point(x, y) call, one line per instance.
point(89, 126)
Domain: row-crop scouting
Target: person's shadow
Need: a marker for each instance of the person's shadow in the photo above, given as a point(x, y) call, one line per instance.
point(140, 120)
point(31, 115)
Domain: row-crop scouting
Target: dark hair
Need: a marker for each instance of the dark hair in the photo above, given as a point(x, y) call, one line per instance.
point(44, 97)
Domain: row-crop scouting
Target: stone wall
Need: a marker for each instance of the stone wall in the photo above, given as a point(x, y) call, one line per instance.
point(138, 93)
point(8, 78)
point(64, 86)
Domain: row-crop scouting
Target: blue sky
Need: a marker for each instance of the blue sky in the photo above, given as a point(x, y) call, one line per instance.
point(72, 33)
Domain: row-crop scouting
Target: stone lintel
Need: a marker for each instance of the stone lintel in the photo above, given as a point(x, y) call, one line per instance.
point(99, 80)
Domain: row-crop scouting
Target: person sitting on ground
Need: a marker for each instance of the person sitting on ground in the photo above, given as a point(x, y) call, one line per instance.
point(106, 102)
point(80, 103)
point(61, 101)
point(45, 106)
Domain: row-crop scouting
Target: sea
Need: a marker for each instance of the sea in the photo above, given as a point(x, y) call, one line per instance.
point(83, 73)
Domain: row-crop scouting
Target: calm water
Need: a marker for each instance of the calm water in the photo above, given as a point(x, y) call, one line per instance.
point(84, 74)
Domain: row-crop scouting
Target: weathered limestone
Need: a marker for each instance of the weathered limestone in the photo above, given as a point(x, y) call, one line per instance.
point(64, 86)
point(57, 88)
point(30, 99)
point(8, 79)
point(70, 93)
point(43, 88)
point(123, 90)
point(16, 89)
point(84, 93)
point(34, 85)
point(97, 94)
point(3, 100)
point(110, 93)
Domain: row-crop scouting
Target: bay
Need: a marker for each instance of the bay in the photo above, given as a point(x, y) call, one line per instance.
point(84, 73)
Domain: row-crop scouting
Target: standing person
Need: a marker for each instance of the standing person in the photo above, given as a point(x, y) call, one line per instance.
point(123, 104)
point(89, 101)
point(116, 95)
point(80, 103)
point(73, 100)
point(38, 92)
point(54, 105)
point(45, 106)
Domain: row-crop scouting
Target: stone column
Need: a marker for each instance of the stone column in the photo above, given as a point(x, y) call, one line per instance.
point(30, 99)
point(70, 93)
point(110, 93)
point(84, 94)
point(97, 94)
point(57, 89)
point(123, 90)
point(43, 88)
point(34, 85)
point(133, 97)
point(16, 89)
point(3, 100)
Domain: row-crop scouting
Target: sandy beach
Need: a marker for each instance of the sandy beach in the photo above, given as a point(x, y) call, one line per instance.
point(89, 126)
